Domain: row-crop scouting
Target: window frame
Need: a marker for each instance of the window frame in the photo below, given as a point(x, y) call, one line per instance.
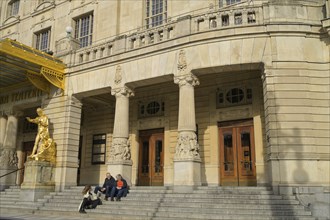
point(95, 142)
point(79, 28)
point(38, 43)
point(152, 14)
point(13, 8)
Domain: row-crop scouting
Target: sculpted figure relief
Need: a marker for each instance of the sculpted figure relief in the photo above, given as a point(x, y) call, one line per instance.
point(120, 149)
point(187, 146)
point(44, 148)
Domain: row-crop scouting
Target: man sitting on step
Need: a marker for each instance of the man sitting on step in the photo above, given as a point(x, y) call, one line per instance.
point(108, 185)
point(120, 190)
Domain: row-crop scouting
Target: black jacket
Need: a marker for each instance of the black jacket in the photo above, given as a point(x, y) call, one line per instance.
point(109, 182)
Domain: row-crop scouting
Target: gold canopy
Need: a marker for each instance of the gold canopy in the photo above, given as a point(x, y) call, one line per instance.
point(20, 63)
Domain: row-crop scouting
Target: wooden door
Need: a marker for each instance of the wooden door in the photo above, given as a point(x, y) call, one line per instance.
point(151, 158)
point(237, 154)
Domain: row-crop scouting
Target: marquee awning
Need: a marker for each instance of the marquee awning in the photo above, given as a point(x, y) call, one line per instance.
point(20, 63)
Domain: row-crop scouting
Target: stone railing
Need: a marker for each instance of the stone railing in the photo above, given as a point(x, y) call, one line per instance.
point(209, 19)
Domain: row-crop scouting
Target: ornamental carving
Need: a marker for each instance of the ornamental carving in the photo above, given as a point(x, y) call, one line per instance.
point(120, 149)
point(187, 146)
point(118, 75)
point(188, 79)
point(8, 157)
point(123, 91)
point(182, 61)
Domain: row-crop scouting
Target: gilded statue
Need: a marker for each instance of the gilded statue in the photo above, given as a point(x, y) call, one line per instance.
point(47, 149)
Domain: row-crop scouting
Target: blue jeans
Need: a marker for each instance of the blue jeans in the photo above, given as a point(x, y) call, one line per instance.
point(118, 192)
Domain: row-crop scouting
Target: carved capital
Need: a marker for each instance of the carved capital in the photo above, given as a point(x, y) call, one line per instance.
point(120, 149)
point(188, 79)
point(8, 157)
point(123, 91)
point(187, 146)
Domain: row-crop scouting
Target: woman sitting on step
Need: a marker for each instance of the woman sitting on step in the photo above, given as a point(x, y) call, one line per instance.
point(90, 200)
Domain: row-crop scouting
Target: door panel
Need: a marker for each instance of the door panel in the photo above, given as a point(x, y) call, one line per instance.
point(237, 155)
point(151, 159)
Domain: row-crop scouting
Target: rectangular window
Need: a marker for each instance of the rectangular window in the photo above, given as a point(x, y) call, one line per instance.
point(84, 30)
point(43, 40)
point(13, 8)
point(227, 2)
point(99, 149)
point(156, 12)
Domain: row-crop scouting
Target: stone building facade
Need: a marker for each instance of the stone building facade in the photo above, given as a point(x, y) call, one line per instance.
point(176, 93)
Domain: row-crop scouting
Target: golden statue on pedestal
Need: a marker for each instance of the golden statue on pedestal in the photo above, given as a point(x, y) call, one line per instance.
point(47, 149)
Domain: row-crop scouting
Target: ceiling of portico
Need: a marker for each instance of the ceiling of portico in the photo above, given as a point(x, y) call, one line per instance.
point(21, 64)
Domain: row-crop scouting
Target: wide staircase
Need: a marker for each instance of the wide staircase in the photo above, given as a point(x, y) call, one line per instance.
point(163, 204)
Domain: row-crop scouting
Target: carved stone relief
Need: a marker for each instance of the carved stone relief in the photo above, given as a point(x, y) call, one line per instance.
point(187, 146)
point(188, 79)
point(182, 61)
point(120, 149)
point(123, 91)
point(8, 157)
point(118, 75)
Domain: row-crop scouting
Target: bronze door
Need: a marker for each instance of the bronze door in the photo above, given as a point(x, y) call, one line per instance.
point(237, 154)
point(151, 158)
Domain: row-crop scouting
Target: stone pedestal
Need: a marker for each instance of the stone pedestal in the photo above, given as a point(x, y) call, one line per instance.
point(124, 168)
point(38, 180)
point(187, 175)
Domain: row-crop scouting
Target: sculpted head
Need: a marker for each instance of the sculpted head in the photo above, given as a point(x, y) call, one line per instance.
point(40, 112)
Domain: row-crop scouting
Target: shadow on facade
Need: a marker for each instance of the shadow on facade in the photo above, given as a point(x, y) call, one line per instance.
point(291, 169)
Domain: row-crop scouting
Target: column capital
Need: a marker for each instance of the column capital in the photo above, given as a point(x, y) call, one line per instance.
point(122, 91)
point(186, 79)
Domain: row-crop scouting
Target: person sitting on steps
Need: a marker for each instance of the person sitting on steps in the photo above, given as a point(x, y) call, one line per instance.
point(120, 190)
point(90, 200)
point(109, 183)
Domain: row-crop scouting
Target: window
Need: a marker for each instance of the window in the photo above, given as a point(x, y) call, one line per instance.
point(151, 108)
point(234, 96)
point(84, 30)
point(227, 2)
point(156, 12)
point(99, 149)
point(13, 8)
point(42, 40)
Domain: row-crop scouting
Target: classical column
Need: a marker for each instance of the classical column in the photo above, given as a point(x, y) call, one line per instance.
point(187, 171)
point(120, 153)
point(8, 156)
point(3, 124)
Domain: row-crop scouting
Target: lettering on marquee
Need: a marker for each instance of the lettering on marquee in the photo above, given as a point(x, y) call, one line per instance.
point(20, 95)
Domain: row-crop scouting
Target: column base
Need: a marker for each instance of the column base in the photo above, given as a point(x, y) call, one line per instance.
point(38, 180)
point(9, 180)
point(187, 175)
point(121, 167)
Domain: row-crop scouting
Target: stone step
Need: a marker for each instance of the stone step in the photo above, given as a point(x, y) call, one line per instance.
point(287, 212)
point(229, 216)
point(233, 206)
point(140, 212)
point(239, 217)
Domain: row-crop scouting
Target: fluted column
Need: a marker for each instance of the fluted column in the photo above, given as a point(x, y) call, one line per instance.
point(120, 153)
point(8, 156)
